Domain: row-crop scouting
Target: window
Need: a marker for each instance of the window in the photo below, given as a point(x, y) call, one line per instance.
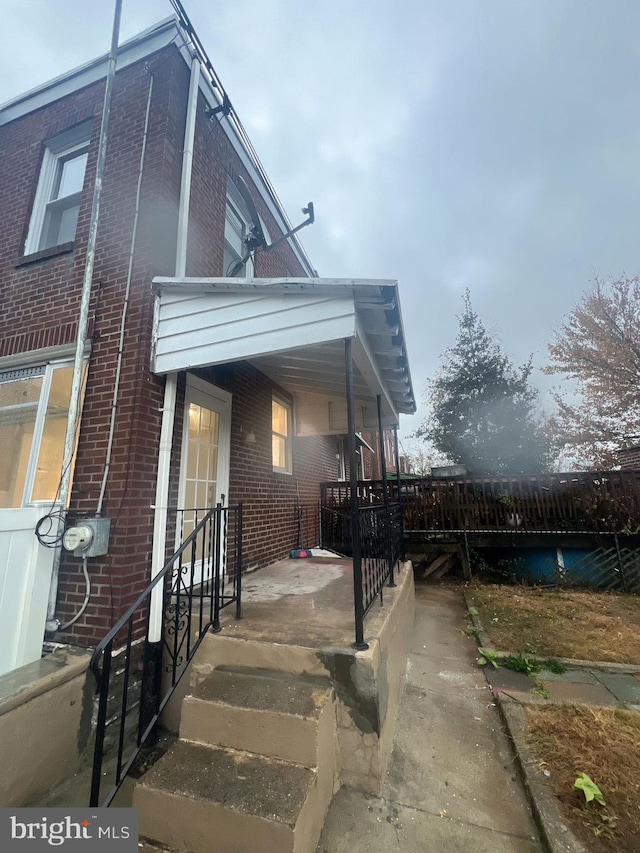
point(236, 228)
point(34, 403)
point(57, 202)
point(341, 458)
point(281, 436)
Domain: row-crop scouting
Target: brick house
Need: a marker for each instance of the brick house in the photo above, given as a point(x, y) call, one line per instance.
point(253, 351)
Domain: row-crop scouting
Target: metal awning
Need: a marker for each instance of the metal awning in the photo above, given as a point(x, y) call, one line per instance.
point(293, 330)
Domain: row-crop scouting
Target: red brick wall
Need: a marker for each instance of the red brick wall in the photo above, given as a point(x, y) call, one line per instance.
point(39, 302)
point(270, 498)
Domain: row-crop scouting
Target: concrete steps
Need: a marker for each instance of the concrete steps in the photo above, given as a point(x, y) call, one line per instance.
point(254, 769)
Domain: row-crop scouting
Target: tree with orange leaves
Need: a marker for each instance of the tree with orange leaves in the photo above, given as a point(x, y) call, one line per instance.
point(598, 346)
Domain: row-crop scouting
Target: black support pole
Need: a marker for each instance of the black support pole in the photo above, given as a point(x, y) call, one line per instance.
point(385, 490)
point(396, 450)
point(359, 644)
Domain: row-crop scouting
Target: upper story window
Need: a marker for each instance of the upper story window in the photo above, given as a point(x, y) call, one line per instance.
point(57, 202)
point(281, 436)
point(236, 228)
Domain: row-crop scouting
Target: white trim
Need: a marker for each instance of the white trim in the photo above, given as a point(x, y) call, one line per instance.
point(148, 41)
point(40, 356)
point(197, 388)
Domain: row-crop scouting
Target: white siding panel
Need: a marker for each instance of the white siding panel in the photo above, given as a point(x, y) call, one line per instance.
point(216, 328)
point(25, 576)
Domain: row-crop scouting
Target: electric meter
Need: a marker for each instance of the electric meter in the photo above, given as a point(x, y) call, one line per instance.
point(88, 538)
point(77, 538)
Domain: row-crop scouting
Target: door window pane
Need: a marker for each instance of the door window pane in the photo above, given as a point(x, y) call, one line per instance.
point(49, 466)
point(18, 411)
point(202, 458)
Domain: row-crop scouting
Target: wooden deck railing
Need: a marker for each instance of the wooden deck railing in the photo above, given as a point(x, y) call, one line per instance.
point(582, 502)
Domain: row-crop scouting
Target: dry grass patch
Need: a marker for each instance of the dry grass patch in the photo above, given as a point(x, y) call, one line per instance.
point(582, 624)
point(604, 743)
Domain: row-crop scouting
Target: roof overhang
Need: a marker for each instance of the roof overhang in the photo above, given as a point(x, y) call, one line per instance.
point(293, 330)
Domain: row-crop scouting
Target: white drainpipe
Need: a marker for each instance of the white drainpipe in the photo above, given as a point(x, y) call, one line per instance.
point(171, 381)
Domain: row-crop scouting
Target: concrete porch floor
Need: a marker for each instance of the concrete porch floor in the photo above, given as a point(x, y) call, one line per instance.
point(306, 602)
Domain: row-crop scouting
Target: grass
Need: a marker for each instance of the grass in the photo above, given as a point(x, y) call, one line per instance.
point(604, 743)
point(598, 626)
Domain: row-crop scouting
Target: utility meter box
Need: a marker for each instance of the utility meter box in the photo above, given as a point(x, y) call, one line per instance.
point(88, 538)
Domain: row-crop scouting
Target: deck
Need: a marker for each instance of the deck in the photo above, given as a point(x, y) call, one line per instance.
point(584, 503)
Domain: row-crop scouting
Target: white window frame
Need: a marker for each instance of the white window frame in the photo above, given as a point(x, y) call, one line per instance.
point(236, 208)
point(46, 371)
point(65, 146)
point(288, 438)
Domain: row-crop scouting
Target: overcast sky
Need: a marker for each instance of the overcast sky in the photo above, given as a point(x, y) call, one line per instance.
point(488, 144)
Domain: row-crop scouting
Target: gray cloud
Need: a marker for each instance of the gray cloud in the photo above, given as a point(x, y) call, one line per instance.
point(492, 145)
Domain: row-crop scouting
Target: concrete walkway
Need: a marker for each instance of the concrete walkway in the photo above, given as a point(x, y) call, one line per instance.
point(451, 785)
point(584, 684)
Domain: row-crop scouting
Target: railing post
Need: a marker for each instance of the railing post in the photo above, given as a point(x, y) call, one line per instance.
point(623, 576)
point(359, 644)
point(385, 491)
point(239, 563)
point(396, 450)
point(218, 544)
point(98, 750)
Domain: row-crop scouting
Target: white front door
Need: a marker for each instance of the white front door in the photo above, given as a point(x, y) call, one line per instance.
point(204, 472)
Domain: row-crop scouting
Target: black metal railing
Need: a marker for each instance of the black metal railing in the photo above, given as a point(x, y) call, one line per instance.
point(575, 502)
point(381, 545)
point(139, 663)
point(381, 548)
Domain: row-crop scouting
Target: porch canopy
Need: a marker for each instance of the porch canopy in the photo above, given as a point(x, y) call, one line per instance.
point(294, 331)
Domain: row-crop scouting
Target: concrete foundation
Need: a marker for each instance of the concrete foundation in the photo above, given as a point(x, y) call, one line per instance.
point(45, 724)
point(280, 701)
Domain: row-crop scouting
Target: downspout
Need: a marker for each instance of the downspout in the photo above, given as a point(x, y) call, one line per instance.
point(171, 382)
point(74, 414)
point(152, 666)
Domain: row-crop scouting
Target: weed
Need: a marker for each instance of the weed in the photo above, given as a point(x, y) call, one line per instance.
point(472, 611)
point(554, 665)
point(521, 663)
point(472, 632)
point(589, 788)
point(488, 656)
point(540, 690)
